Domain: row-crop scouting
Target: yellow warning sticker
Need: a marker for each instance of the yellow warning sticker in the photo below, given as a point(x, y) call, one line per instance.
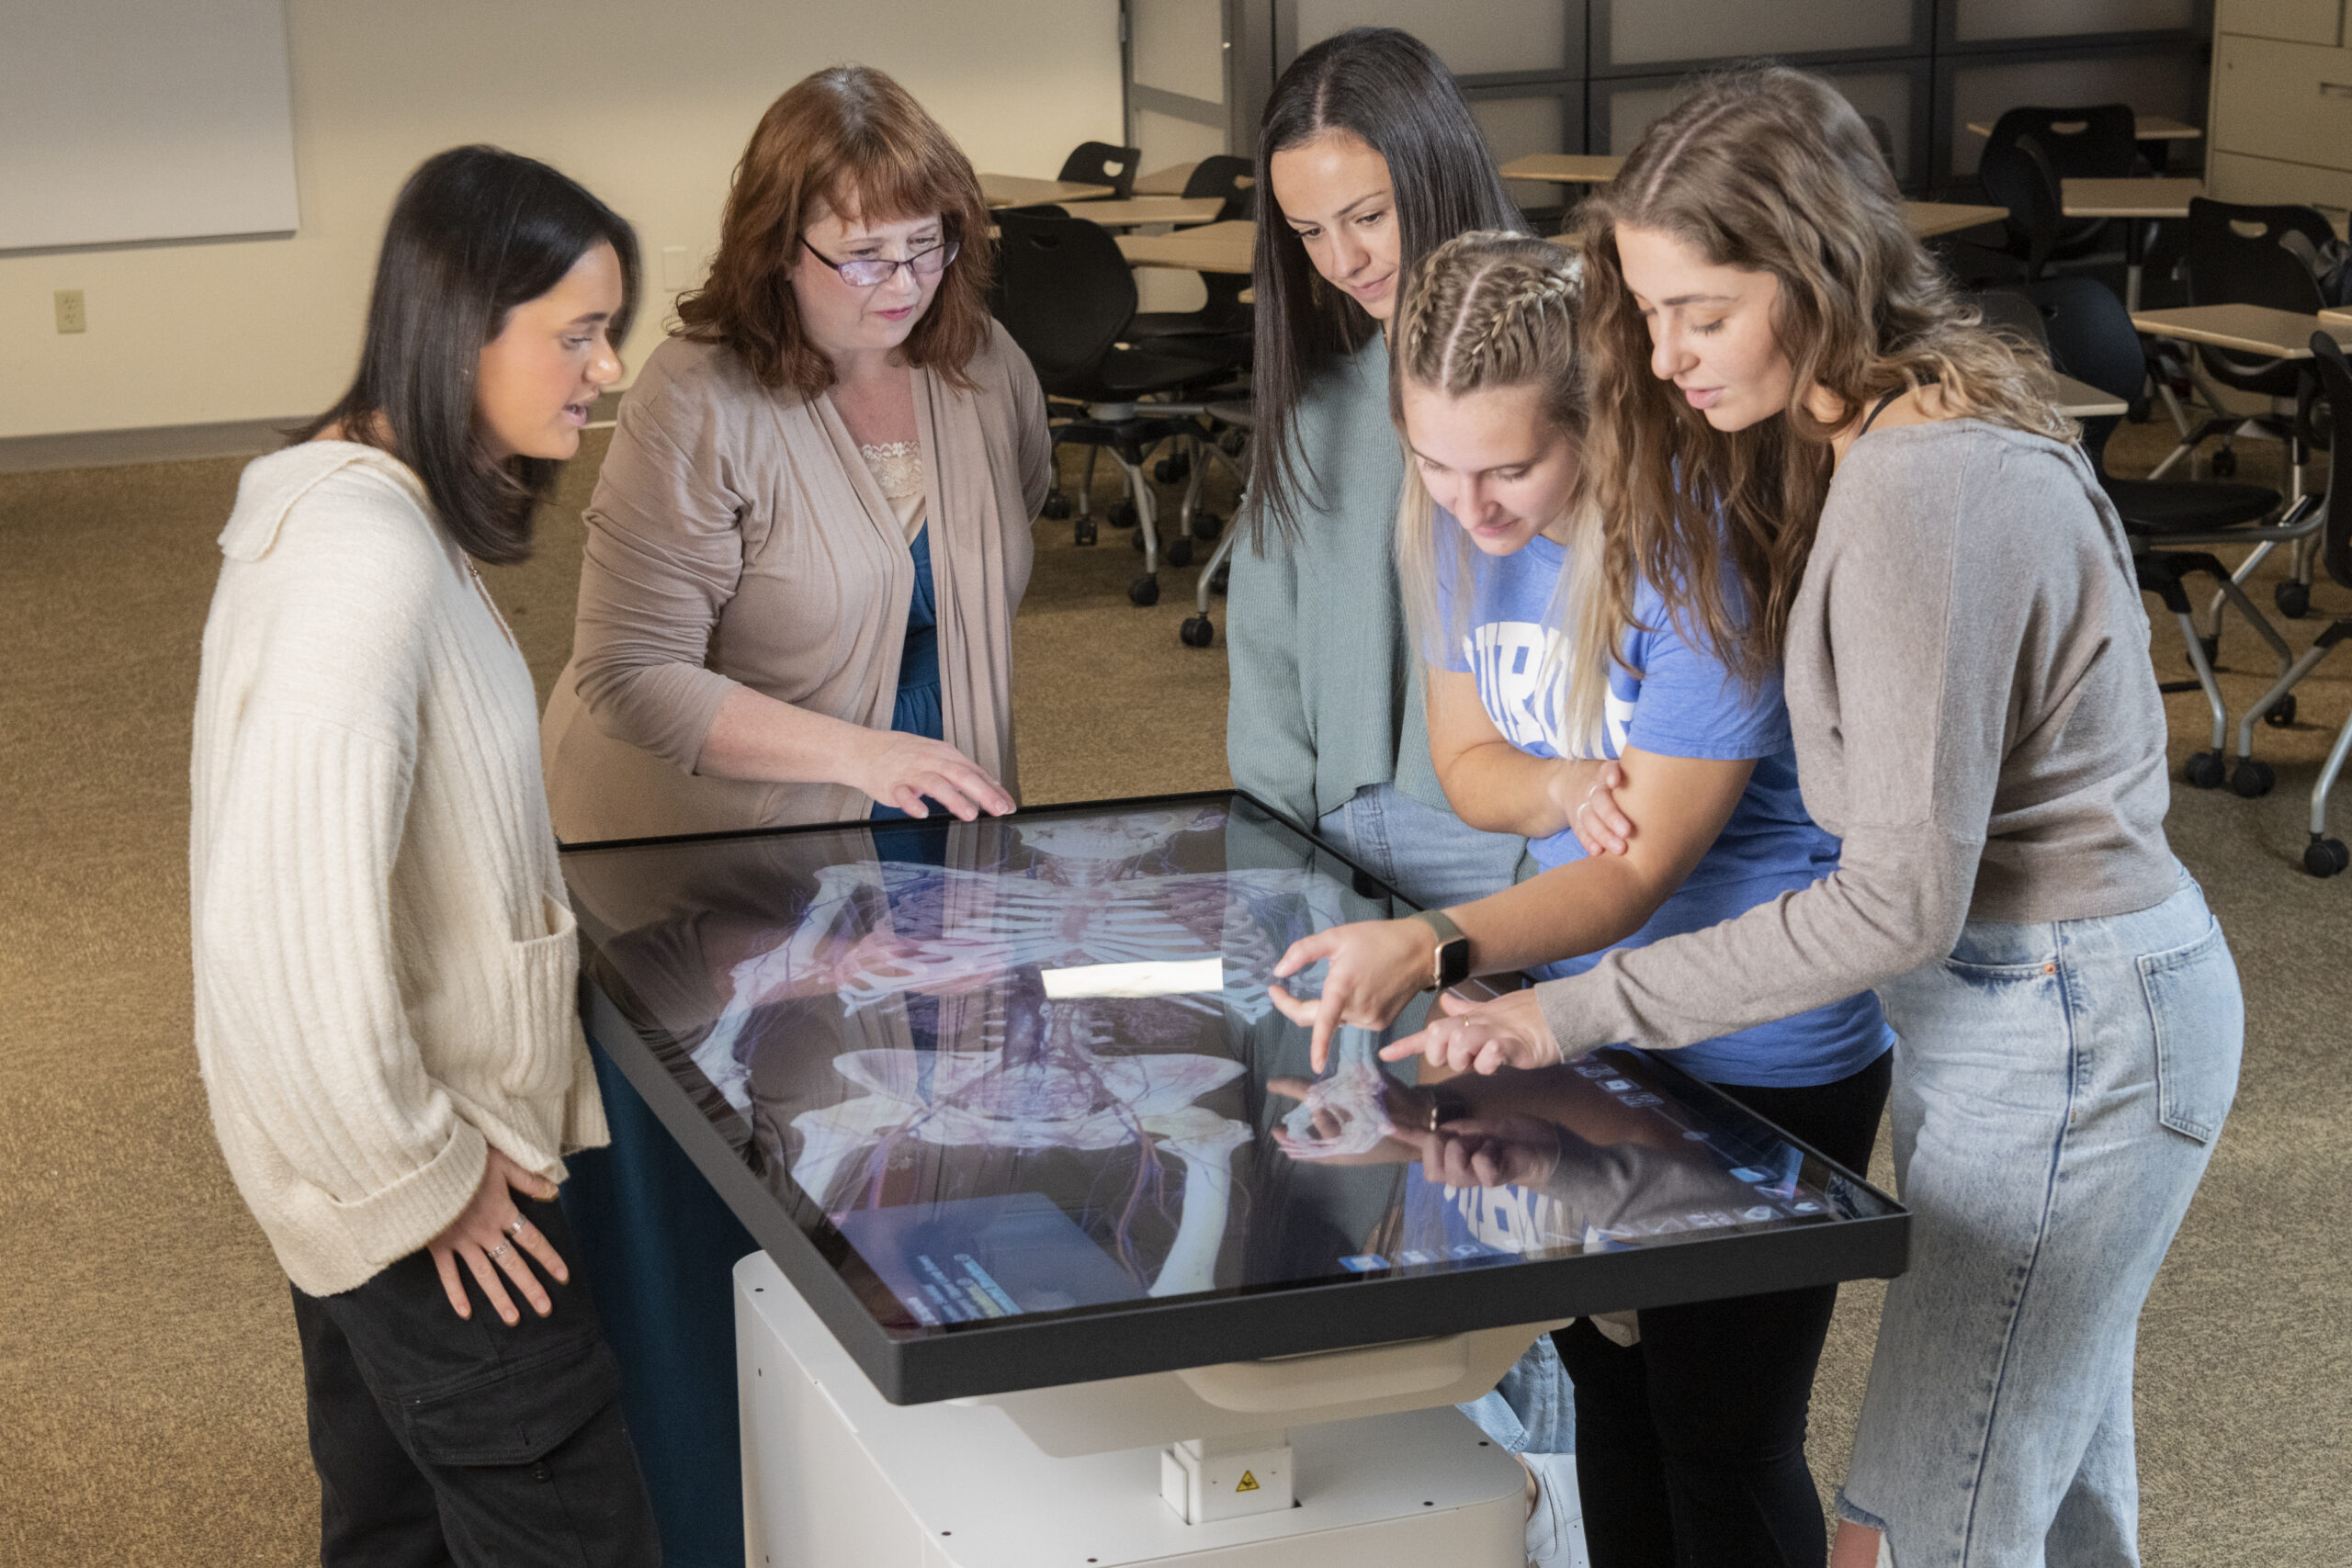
point(1248, 1482)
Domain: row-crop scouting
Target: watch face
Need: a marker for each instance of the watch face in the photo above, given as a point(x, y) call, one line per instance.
point(1454, 961)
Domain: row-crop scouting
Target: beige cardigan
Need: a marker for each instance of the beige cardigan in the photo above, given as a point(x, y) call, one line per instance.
point(735, 537)
point(385, 962)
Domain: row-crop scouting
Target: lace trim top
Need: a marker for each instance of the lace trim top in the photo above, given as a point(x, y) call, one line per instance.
point(896, 467)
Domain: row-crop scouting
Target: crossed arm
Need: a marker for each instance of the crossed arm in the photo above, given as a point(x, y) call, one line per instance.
point(1682, 804)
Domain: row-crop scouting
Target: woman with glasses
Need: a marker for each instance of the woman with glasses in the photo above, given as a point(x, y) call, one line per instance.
point(812, 528)
point(804, 553)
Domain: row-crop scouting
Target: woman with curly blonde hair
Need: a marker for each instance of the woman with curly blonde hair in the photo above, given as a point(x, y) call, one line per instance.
point(1781, 374)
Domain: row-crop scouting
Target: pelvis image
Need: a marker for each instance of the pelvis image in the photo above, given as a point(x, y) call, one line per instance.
point(1024, 1083)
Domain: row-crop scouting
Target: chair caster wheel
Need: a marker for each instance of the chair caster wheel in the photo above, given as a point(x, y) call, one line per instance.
point(1144, 590)
point(2325, 857)
point(1232, 441)
point(2282, 713)
point(1171, 469)
point(1084, 533)
point(1196, 632)
point(1177, 552)
point(2204, 770)
point(1056, 506)
point(2253, 779)
point(1222, 576)
point(1206, 526)
point(1122, 515)
point(2225, 463)
point(2293, 598)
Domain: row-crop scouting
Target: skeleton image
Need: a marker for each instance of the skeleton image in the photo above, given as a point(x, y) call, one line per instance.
point(1012, 1069)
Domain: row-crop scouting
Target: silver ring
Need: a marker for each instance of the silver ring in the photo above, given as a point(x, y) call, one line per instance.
point(516, 1230)
point(499, 1251)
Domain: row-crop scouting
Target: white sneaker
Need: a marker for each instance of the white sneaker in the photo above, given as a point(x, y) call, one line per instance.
point(1555, 1530)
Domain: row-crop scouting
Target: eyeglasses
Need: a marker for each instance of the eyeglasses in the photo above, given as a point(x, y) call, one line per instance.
point(866, 272)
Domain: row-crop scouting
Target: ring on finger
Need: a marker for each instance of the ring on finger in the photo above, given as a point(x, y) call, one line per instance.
point(501, 1250)
point(516, 1230)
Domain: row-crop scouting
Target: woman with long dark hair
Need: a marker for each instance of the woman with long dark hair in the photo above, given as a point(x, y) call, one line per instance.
point(1785, 386)
point(1371, 161)
point(384, 956)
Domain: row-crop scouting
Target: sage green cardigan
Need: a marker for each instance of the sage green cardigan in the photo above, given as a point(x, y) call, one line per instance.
point(1326, 691)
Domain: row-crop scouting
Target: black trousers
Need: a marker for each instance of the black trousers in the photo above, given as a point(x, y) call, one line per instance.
point(1690, 1443)
point(444, 1440)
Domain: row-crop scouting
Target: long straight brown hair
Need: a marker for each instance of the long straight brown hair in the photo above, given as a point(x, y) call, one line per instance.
point(1386, 88)
point(849, 140)
point(1771, 170)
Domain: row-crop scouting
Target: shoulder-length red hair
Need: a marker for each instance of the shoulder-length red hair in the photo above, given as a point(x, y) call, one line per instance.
point(851, 140)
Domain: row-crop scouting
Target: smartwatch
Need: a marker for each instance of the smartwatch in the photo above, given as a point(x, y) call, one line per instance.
point(1450, 963)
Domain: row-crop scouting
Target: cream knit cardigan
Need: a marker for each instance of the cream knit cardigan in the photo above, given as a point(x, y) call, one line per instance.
point(385, 960)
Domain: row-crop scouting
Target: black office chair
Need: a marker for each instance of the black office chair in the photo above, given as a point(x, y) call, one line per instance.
point(2323, 856)
point(2092, 142)
point(1222, 328)
point(2172, 524)
point(2018, 175)
point(2234, 255)
point(1066, 294)
point(1100, 164)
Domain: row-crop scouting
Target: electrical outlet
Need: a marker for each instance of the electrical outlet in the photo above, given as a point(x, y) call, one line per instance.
point(72, 317)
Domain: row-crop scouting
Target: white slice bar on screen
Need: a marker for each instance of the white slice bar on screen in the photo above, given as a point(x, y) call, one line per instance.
point(1160, 978)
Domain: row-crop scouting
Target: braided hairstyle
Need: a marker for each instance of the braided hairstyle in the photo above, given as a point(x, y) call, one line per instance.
point(1488, 309)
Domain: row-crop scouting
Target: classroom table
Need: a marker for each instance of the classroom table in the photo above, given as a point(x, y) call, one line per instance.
point(1047, 1212)
point(1170, 181)
point(2245, 329)
point(2079, 399)
point(2156, 134)
point(1565, 168)
point(1138, 211)
point(1213, 247)
point(1020, 190)
point(2134, 200)
point(1929, 219)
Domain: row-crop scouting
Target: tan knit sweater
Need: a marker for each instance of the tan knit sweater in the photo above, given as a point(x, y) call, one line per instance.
point(385, 961)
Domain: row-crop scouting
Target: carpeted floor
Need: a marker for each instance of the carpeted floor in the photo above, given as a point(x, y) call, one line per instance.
point(149, 1394)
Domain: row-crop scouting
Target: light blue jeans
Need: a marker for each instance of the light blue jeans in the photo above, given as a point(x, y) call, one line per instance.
point(1433, 859)
point(1428, 855)
point(2057, 1091)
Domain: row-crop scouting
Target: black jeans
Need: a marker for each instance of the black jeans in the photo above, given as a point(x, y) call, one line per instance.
point(1690, 1442)
point(444, 1440)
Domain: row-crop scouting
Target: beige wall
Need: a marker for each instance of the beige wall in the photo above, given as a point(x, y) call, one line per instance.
point(648, 104)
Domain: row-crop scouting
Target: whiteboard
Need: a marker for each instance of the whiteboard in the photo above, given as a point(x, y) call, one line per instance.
point(144, 120)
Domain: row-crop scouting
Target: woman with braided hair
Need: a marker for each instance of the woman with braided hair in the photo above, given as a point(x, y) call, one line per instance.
point(1689, 1424)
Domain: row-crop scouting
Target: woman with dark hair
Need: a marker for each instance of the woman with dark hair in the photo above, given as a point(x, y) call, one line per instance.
point(1785, 386)
point(1373, 161)
point(384, 956)
point(811, 531)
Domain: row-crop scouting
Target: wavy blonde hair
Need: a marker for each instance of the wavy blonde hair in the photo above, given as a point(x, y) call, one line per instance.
point(1769, 169)
point(1488, 309)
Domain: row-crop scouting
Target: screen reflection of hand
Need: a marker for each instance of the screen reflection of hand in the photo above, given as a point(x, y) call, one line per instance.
point(1505, 1150)
point(1333, 1124)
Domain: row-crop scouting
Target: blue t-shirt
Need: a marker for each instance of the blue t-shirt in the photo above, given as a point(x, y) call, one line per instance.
point(1684, 704)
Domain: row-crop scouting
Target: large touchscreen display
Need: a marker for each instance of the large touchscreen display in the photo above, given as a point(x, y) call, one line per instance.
point(1030, 1065)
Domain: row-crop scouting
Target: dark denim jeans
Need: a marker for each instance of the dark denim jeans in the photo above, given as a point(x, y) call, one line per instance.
point(444, 1440)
